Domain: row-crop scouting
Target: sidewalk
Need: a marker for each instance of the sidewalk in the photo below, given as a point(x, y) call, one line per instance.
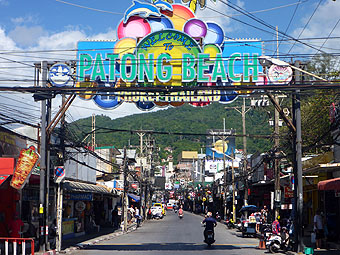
point(90, 239)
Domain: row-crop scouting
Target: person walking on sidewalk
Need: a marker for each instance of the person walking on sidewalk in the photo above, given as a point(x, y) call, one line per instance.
point(318, 229)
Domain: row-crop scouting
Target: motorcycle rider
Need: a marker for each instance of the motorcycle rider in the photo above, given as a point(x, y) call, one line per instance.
point(180, 211)
point(210, 223)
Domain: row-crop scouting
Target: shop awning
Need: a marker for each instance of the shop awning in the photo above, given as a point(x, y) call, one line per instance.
point(7, 166)
point(332, 184)
point(134, 197)
point(84, 187)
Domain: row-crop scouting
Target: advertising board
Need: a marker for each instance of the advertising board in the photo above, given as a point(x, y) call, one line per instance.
point(166, 45)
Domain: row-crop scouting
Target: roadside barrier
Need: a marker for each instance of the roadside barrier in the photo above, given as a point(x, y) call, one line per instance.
point(10, 245)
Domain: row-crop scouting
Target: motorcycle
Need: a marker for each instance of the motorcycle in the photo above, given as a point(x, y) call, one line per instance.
point(209, 239)
point(180, 215)
point(276, 242)
point(230, 224)
point(218, 217)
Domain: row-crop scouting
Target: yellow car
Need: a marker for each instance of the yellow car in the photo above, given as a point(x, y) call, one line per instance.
point(159, 205)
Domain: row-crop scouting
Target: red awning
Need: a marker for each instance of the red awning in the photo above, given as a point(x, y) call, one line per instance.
point(332, 184)
point(7, 166)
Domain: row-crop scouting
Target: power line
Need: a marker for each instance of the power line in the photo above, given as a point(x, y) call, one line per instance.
point(310, 18)
point(330, 33)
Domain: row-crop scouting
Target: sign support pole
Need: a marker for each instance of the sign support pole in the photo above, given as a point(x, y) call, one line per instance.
point(43, 153)
point(59, 217)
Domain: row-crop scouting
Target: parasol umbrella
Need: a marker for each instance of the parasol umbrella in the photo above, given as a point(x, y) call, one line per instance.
point(249, 208)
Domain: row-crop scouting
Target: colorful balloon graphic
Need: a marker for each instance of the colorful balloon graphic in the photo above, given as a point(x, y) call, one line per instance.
point(180, 15)
point(135, 27)
point(215, 34)
point(195, 28)
point(124, 46)
point(212, 50)
point(158, 24)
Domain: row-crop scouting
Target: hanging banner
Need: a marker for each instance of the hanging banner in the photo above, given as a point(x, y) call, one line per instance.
point(163, 44)
point(27, 160)
point(214, 144)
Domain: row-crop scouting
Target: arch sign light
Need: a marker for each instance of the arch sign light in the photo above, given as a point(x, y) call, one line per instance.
point(163, 44)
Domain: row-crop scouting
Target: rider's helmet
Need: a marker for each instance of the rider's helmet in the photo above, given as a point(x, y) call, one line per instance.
point(209, 214)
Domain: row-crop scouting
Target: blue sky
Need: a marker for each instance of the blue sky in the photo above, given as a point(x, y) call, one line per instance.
point(43, 25)
point(26, 21)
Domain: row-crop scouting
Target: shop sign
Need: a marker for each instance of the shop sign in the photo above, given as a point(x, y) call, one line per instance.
point(80, 206)
point(166, 48)
point(289, 193)
point(80, 196)
point(68, 227)
point(60, 75)
point(27, 160)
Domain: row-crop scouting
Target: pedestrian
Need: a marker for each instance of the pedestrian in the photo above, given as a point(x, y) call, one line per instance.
point(137, 216)
point(264, 214)
point(52, 234)
point(115, 217)
point(258, 221)
point(149, 215)
point(276, 228)
point(318, 229)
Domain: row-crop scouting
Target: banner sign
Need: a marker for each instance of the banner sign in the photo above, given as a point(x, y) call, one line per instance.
point(27, 160)
point(214, 147)
point(163, 44)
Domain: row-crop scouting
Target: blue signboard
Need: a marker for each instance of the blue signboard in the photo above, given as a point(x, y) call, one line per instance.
point(80, 196)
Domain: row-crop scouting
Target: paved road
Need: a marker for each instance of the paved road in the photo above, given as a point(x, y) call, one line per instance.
point(172, 235)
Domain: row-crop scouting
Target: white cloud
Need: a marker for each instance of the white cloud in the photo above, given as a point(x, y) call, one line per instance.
point(26, 36)
point(321, 25)
point(6, 43)
point(26, 19)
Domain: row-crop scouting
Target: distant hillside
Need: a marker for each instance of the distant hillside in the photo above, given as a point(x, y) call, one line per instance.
point(184, 119)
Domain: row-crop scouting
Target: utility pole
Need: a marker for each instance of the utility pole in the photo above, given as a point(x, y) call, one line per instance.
point(277, 185)
point(125, 195)
point(225, 173)
point(233, 180)
point(93, 137)
point(43, 163)
point(142, 184)
point(243, 113)
point(59, 189)
point(298, 147)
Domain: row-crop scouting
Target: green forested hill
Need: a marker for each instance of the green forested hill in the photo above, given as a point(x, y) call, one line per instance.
point(184, 119)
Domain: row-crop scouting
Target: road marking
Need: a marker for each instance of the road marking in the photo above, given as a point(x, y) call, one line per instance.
point(119, 244)
point(131, 244)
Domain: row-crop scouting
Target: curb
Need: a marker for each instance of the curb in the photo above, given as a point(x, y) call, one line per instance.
point(92, 242)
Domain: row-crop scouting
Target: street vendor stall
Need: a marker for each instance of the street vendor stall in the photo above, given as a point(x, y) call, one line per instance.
point(249, 224)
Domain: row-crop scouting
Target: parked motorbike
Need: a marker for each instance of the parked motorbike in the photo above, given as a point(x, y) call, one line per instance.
point(230, 224)
point(276, 242)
